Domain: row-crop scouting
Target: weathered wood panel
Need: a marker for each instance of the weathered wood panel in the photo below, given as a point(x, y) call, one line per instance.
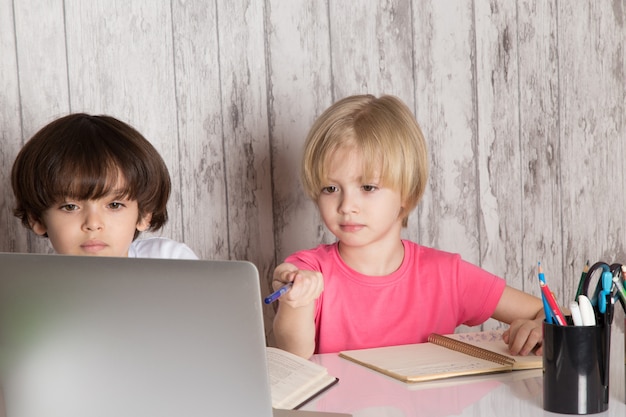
point(42, 73)
point(202, 180)
point(300, 80)
point(371, 48)
point(446, 107)
point(12, 238)
point(540, 205)
point(498, 147)
point(591, 101)
point(521, 103)
point(246, 136)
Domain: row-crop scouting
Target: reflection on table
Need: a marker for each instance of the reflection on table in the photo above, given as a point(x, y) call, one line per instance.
point(366, 393)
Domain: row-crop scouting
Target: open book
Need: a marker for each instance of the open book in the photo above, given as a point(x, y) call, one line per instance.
point(444, 357)
point(294, 380)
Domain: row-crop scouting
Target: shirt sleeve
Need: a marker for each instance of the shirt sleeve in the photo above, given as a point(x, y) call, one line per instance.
point(481, 290)
point(308, 260)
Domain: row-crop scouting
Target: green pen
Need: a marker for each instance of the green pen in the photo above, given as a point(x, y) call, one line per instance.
point(581, 283)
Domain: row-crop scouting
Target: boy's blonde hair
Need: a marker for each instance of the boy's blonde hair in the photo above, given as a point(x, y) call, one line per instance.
point(387, 136)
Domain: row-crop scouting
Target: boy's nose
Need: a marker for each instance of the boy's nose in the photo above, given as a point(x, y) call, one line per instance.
point(93, 221)
point(348, 204)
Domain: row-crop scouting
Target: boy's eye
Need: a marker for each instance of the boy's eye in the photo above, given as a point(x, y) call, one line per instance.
point(116, 205)
point(369, 188)
point(69, 207)
point(329, 189)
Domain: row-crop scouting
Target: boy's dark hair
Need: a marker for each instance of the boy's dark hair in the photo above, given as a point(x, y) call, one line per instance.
point(84, 157)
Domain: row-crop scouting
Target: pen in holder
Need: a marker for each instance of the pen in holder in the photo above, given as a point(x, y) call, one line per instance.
point(576, 368)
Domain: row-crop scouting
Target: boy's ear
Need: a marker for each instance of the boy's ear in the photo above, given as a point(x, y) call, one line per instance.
point(144, 222)
point(37, 226)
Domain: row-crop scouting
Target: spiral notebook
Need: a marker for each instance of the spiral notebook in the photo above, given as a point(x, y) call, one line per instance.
point(444, 357)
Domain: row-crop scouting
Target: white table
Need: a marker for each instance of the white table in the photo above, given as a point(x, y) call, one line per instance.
point(367, 393)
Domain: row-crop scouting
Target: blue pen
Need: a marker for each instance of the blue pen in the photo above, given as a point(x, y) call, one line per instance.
point(276, 294)
point(546, 308)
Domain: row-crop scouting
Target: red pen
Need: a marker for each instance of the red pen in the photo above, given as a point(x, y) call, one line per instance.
point(558, 314)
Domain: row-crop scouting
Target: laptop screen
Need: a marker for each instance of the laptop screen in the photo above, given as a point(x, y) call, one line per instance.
point(90, 336)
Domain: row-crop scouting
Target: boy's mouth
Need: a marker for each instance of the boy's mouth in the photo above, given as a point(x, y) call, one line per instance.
point(93, 246)
point(351, 227)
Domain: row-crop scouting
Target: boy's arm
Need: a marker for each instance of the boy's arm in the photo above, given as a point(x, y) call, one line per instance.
point(294, 323)
point(524, 313)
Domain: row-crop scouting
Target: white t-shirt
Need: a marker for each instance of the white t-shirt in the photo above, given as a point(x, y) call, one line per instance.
point(160, 247)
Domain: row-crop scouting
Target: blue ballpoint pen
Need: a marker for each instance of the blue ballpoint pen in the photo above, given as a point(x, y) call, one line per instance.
point(546, 308)
point(276, 294)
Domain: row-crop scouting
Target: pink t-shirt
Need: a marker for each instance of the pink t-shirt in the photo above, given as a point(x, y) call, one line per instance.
point(432, 291)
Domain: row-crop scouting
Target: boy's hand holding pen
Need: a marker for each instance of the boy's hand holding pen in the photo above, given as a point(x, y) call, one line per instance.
point(276, 294)
point(295, 287)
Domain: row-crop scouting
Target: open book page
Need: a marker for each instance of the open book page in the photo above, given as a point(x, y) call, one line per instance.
point(294, 380)
point(422, 362)
point(492, 340)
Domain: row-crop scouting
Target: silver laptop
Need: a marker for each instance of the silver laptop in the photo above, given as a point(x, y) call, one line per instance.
point(103, 337)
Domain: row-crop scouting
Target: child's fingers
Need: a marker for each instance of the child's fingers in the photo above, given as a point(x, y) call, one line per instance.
point(284, 278)
point(524, 337)
point(307, 286)
point(278, 283)
point(506, 335)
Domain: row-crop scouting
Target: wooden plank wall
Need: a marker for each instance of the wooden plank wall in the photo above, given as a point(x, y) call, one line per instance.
point(522, 104)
